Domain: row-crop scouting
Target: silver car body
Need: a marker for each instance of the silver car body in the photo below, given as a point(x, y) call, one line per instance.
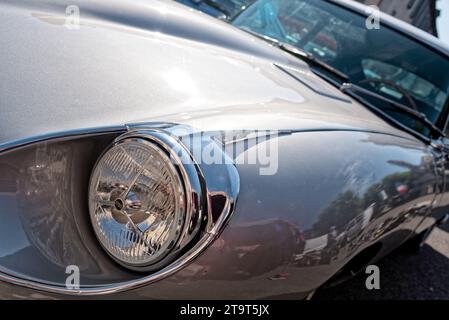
point(66, 92)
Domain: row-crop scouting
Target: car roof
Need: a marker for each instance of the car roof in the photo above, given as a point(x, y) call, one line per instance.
point(398, 25)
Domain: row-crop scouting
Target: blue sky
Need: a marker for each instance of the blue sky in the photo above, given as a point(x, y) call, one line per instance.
point(443, 20)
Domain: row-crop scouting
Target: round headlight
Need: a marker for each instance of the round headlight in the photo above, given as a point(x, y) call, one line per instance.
point(137, 202)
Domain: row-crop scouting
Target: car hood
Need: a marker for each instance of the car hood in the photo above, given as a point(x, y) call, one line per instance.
point(143, 61)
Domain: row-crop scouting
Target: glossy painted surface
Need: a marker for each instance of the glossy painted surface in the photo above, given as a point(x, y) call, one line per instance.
point(346, 179)
point(178, 70)
point(342, 179)
point(334, 194)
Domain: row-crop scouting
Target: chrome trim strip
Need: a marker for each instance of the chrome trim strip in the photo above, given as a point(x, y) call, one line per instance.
point(119, 287)
point(6, 146)
point(9, 145)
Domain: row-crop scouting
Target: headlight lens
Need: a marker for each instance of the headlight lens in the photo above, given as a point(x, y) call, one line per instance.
point(137, 202)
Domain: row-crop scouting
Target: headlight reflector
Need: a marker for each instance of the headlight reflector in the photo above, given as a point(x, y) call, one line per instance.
point(137, 202)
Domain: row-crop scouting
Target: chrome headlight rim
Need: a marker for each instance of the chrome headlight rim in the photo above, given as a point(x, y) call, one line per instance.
point(192, 189)
point(210, 221)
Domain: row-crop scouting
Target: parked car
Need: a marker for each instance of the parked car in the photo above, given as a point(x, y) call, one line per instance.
point(151, 151)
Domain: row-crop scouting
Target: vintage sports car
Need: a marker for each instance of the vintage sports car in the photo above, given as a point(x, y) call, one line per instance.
point(150, 151)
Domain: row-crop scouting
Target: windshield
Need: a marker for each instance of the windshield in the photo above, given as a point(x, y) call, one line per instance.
point(381, 60)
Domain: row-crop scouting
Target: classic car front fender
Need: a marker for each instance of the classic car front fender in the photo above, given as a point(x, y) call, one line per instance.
point(309, 202)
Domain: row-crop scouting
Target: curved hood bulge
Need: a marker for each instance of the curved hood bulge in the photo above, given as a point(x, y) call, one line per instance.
point(140, 61)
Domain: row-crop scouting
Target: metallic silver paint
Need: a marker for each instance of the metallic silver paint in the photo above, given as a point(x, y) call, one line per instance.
point(47, 68)
point(235, 266)
point(147, 63)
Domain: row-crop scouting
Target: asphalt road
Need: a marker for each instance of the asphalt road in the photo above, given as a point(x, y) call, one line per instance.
point(403, 276)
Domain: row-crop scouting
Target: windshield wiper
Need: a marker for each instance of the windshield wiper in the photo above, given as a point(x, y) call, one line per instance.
point(352, 89)
point(311, 59)
point(301, 54)
point(268, 39)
